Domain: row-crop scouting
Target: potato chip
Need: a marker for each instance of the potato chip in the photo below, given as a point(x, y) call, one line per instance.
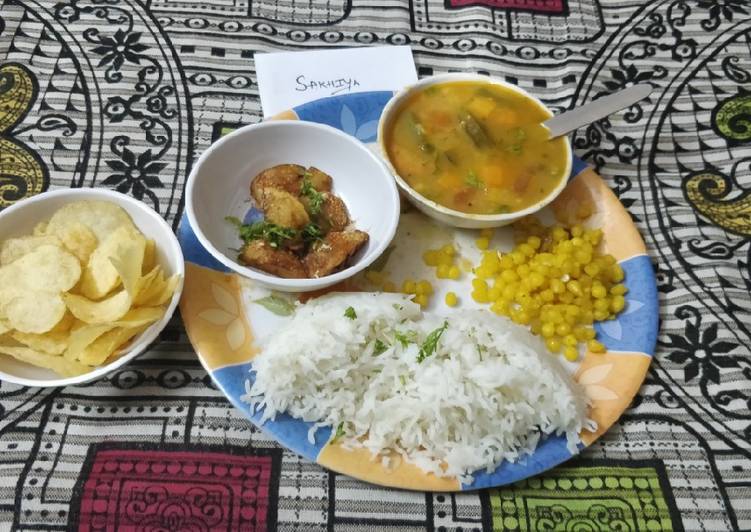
point(101, 217)
point(60, 365)
point(49, 342)
point(149, 256)
point(127, 261)
point(137, 317)
point(45, 269)
point(100, 275)
point(58, 315)
point(34, 312)
point(165, 293)
point(40, 229)
point(81, 337)
point(107, 344)
point(154, 291)
point(105, 311)
point(15, 248)
point(144, 285)
point(78, 240)
point(65, 324)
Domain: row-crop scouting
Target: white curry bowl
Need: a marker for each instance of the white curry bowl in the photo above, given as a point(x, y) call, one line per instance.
point(219, 186)
point(20, 219)
point(436, 210)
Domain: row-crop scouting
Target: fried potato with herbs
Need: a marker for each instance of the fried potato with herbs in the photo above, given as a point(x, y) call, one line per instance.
point(320, 180)
point(301, 217)
point(282, 208)
point(332, 253)
point(334, 212)
point(262, 255)
point(286, 177)
point(78, 289)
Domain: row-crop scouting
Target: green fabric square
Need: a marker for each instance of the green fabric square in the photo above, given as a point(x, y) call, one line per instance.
point(584, 498)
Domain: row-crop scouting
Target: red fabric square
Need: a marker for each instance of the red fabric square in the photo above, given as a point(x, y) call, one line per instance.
point(551, 7)
point(140, 490)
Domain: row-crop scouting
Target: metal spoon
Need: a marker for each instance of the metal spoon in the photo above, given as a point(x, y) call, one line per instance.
point(595, 110)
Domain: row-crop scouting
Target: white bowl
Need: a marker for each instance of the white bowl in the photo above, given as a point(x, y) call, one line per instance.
point(219, 186)
point(20, 219)
point(436, 210)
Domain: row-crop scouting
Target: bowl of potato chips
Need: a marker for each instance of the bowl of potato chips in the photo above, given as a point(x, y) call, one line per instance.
point(88, 279)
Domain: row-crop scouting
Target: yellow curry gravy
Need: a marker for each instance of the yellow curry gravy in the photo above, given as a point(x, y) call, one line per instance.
point(475, 147)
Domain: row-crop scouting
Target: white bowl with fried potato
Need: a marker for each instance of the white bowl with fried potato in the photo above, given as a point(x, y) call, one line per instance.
point(118, 290)
point(219, 187)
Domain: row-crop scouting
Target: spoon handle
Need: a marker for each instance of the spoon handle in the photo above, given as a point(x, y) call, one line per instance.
point(597, 109)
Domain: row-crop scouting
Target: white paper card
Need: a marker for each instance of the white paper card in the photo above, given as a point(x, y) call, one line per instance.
point(288, 79)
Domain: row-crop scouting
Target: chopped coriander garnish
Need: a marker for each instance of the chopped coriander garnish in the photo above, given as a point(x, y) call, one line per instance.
point(311, 233)
point(430, 344)
point(379, 347)
point(274, 234)
point(350, 313)
point(339, 431)
point(405, 338)
point(234, 220)
point(315, 198)
point(480, 350)
point(473, 180)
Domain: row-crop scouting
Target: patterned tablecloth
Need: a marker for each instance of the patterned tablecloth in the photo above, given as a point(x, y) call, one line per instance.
point(126, 94)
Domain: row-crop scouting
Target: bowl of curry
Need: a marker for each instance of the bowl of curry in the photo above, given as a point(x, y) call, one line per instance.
point(471, 151)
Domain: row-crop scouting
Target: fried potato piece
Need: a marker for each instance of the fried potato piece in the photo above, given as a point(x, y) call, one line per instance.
point(332, 253)
point(283, 177)
point(260, 254)
point(334, 213)
point(282, 208)
point(320, 180)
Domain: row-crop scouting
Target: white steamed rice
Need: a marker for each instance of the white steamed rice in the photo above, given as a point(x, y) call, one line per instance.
point(486, 395)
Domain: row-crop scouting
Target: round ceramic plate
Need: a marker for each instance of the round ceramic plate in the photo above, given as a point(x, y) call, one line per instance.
point(226, 316)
